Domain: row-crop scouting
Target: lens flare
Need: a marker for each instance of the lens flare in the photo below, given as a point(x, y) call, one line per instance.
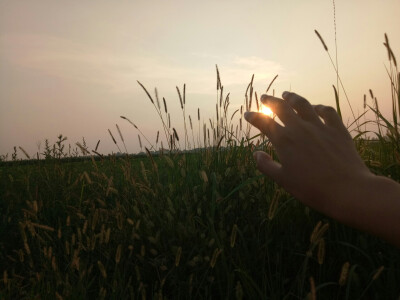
point(266, 110)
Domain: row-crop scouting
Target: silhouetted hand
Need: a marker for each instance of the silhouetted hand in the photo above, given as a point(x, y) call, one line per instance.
point(317, 158)
point(320, 166)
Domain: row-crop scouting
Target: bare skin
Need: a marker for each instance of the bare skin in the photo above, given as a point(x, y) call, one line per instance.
point(321, 167)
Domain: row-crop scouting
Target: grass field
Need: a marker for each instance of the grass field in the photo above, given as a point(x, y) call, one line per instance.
point(180, 225)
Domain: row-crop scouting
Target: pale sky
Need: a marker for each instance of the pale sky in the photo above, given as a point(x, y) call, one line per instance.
point(71, 67)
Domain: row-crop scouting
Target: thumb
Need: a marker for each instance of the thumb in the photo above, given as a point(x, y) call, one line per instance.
point(267, 165)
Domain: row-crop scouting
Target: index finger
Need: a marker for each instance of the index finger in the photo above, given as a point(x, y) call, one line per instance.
point(281, 108)
point(303, 108)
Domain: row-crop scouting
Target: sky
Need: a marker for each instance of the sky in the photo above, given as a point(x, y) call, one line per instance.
point(71, 67)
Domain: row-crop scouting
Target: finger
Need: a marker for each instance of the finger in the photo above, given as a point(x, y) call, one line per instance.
point(303, 108)
point(281, 108)
point(268, 166)
point(329, 115)
point(265, 124)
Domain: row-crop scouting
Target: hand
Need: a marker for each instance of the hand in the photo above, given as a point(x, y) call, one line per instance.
point(320, 166)
point(318, 159)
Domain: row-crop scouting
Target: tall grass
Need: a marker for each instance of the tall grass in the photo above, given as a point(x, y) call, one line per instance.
point(187, 225)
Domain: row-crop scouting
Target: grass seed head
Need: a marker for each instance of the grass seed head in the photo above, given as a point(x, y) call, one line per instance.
point(365, 101)
point(218, 78)
point(175, 134)
point(378, 273)
point(67, 248)
point(318, 232)
point(148, 94)
point(53, 263)
point(107, 237)
point(5, 277)
point(313, 291)
point(203, 176)
point(86, 175)
point(343, 274)
point(119, 221)
point(21, 255)
point(390, 51)
point(180, 97)
point(233, 235)
point(216, 253)
point(321, 39)
point(95, 219)
point(27, 249)
point(251, 98)
point(58, 296)
point(140, 142)
point(371, 94)
point(85, 225)
point(165, 105)
point(220, 96)
point(257, 104)
point(109, 131)
point(314, 232)
point(270, 84)
point(73, 239)
point(239, 291)
point(118, 254)
point(274, 204)
point(102, 269)
point(184, 93)
point(133, 124)
point(25, 153)
point(321, 251)
point(386, 43)
point(234, 114)
point(178, 256)
point(97, 145)
point(158, 100)
point(120, 133)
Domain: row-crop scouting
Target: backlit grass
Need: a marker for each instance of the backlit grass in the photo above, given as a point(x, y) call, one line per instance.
point(180, 225)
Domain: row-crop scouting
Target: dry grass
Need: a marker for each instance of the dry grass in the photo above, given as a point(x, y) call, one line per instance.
point(186, 225)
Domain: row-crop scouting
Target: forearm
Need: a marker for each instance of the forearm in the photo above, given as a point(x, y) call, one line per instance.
point(372, 205)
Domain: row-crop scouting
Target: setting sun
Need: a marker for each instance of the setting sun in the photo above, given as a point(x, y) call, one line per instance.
point(266, 110)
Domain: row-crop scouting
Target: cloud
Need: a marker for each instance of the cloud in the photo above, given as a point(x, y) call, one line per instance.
point(118, 71)
point(240, 70)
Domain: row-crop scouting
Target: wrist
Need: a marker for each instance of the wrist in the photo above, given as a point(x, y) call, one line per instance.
point(370, 203)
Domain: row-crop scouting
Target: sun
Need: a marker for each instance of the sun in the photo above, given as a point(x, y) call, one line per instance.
point(266, 110)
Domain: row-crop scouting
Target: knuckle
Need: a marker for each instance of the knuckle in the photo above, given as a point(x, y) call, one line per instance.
point(284, 105)
point(298, 101)
point(288, 94)
point(286, 109)
point(329, 110)
point(301, 102)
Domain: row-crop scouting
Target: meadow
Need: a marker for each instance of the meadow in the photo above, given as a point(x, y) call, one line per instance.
point(196, 224)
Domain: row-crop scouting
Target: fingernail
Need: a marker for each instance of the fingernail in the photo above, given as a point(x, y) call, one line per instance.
point(248, 115)
point(256, 155)
point(264, 98)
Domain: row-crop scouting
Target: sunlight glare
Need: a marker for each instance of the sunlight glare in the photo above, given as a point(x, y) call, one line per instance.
point(266, 110)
